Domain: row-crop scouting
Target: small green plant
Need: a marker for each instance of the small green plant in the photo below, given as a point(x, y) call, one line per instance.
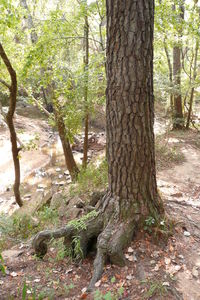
point(98, 295)
point(76, 245)
point(2, 267)
point(154, 288)
point(80, 224)
point(159, 228)
point(149, 223)
point(48, 214)
point(68, 288)
point(91, 179)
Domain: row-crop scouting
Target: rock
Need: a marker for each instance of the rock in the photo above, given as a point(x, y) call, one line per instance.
point(11, 255)
point(166, 283)
point(187, 233)
point(167, 260)
point(195, 272)
point(129, 277)
point(42, 186)
point(60, 176)
point(58, 169)
point(66, 173)
point(56, 200)
point(130, 250)
point(180, 256)
point(95, 197)
point(60, 183)
point(156, 254)
point(71, 213)
point(197, 264)
point(177, 268)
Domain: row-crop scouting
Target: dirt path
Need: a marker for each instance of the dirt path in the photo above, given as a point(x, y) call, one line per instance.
point(180, 187)
point(150, 267)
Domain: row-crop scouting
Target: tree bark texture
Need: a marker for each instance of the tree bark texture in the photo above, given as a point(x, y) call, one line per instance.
point(178, 118)
point(132, 193)
point(130, 103)
point(9, 119)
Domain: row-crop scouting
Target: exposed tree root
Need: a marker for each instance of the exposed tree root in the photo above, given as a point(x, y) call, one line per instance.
point(112, 232)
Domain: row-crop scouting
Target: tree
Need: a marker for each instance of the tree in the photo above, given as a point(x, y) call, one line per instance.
point(86, 65)
point(132, 194)
point(9, 119)
point(178, 119)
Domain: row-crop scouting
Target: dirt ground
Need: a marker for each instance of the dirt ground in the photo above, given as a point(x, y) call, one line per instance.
point(154, 270)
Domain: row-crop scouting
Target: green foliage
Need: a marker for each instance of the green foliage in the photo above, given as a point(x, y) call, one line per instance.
point(91, 179)
point(80, 224)
point(2, 267)
point(154, 288)
point(68, 288)
point(98, 295)
point(47, 214)
point(166, 153)
point(160, 229)
point(33, 295)
point(17, 228)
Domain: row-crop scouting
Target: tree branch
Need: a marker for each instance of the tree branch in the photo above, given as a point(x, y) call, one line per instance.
point(5, 83)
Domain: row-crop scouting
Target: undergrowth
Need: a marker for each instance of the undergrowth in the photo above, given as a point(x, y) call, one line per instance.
point(15, 229)
point(91, 179)
point(167, 154)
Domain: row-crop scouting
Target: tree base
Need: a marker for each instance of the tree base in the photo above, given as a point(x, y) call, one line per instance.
point(112, 232)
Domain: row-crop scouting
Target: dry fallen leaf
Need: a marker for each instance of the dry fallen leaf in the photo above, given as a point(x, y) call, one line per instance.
point(84, 296)
point(98, 283)
point(13, 274)
point(130, 250)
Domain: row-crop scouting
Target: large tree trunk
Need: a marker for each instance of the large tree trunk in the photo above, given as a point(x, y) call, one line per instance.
point(9, 120)
point(132, 194)
point(178, 119)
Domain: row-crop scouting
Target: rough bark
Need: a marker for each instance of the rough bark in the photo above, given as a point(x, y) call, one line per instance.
point(9, 120)
point(132, 193)
point(86, 65)
point(178, 118)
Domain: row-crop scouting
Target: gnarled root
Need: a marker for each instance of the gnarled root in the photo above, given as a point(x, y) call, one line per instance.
point(91, 230)
point(111, 242)
point(113, 234)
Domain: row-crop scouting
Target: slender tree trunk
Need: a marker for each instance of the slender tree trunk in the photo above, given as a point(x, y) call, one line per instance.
point(86, 65)
point(192, 89)
point(170, 73)
point(30, 24)
point(69, 158)
point(178, 118)
point(9, 118)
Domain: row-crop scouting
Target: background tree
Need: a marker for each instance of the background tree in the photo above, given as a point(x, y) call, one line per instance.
point(9, 118)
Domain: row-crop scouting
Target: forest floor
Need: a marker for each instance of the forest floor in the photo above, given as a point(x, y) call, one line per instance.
point(155, 269)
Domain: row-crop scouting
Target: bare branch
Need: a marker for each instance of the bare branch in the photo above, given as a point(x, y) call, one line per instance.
point(5, 83)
